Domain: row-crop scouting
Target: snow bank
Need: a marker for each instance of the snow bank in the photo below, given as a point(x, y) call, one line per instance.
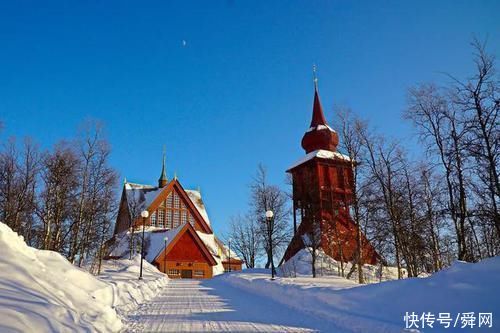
point(40, 291)
point(300, 265)
point(128, 290)
point(380, 307)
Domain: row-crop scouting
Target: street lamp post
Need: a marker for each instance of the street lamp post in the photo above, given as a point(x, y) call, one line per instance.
point(270, 220)
point(229, 255)
point(145, 215)
point(165, 263)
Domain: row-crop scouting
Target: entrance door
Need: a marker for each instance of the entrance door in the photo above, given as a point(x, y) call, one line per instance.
point(187, 274)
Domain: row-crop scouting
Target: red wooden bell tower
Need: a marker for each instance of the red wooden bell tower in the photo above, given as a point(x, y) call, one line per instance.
point(322, 194)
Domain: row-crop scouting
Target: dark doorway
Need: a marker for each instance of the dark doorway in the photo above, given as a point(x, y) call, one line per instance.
point(187, 274)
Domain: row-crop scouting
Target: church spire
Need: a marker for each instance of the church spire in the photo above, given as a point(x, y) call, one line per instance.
point(319, 135)
point(318, 117)
point(163, 181)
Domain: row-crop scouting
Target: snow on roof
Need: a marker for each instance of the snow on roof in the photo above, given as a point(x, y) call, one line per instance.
point(209, 241)
point(226, 254)
point(137, 186)
point(154, 240)
point(216, 247)
point(157, 241)
point(320, 127)
point(321, 153)
point(195, 197)
point(140, 196)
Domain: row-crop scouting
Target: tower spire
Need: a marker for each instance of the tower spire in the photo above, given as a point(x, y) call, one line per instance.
point(318, 118)
point(163, 177)
point(319, 135)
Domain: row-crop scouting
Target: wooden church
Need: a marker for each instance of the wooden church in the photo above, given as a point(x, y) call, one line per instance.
point(179, 239)
point(322, 194)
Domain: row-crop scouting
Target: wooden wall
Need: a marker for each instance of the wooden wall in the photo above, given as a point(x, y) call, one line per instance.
point(185, 255)
point(326, 186)
point(185, 265)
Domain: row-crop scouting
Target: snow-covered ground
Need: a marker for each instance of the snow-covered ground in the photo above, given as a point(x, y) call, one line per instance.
point(216, 306)
point(381, 307)
point(40, 291)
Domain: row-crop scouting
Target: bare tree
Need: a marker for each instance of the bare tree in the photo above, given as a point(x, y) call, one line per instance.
point(352, 144)
point(431, 202)
point(444, 133)
point(269, 197)
point(88, 145)
point(478, 98)
point(134, 209)
point(18, 176)
point(101, 201)
point(56, 200)
point(384, 163)
point(312, 237)
point(244, 234)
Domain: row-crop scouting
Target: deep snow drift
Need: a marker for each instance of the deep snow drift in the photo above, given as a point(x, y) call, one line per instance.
point(128, 290)
point(381, 307)
point(40, 291)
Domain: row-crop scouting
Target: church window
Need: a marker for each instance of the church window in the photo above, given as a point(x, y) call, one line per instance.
point(169, 201)
point(168, 219)
point(199, 273)
point(176, 201)
point(153, 219)
point(173, 272)
point(176, 218)
point(161, 221)
point(176, 212)
point(161, 218)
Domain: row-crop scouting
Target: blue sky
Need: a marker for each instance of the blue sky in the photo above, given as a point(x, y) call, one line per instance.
point(238, 93)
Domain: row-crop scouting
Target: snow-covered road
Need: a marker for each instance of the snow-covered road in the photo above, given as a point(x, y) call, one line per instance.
point(215, 306)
